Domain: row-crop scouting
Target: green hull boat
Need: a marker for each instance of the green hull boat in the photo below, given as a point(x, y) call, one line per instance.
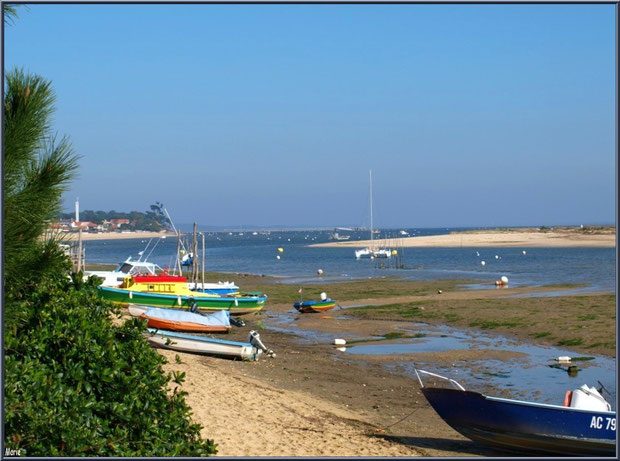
point(237, 305)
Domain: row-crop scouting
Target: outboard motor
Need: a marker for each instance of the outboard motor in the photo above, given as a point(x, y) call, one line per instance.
point(254, 340)
point(237, 322)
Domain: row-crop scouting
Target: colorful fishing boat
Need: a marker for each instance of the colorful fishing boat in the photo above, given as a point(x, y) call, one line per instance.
point(209, 346)
point(306, 307)
point(584, 426)
point(178, 320)
point(116, 277)
point(172, 292)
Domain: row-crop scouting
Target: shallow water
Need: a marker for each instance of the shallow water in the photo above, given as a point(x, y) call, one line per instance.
point(529, 377)
point(298, 263)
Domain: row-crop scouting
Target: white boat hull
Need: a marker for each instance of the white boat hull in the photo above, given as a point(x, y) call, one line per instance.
point(202, 345)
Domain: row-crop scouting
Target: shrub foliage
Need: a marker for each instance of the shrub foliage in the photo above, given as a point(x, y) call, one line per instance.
point(76, 385)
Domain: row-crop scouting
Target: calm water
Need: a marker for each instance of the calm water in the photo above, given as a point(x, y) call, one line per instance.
point(257, 254)
point(529, 377)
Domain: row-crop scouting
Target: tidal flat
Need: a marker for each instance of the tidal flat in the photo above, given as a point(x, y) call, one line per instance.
point(343, 403)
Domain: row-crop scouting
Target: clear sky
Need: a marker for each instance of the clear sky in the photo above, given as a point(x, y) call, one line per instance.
point(238, 115)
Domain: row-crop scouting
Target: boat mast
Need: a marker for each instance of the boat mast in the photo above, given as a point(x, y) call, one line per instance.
point(371, 229)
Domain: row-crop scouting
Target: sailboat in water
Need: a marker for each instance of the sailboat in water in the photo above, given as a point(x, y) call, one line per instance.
point(372, 251)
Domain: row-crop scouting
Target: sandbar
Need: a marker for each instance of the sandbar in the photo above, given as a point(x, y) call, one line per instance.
point(490, 239)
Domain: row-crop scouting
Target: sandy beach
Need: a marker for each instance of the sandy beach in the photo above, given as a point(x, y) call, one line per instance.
point(73, 236)
point(491, 239)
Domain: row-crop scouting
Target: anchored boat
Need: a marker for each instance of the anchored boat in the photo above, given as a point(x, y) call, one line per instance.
point(172, 292)
point(584, 426)
point(372, 251)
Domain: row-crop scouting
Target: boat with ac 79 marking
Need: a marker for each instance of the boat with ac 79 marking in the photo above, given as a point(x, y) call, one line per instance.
point(173, 292)
point(583, 426)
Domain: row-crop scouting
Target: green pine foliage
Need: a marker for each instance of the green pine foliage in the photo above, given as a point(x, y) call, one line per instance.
point(37, 169)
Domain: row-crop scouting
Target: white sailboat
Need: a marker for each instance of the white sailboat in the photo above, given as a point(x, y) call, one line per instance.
point(372, 251)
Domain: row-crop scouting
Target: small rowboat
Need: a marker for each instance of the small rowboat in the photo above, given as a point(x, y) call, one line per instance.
point(209, 346)
point(527, 427)
point(178, 320)
point(315, 306)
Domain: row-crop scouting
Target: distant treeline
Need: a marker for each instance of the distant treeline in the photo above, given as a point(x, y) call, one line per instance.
point(153, 220)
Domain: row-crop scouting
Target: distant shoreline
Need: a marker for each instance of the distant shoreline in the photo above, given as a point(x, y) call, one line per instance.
point(73, 236)
point(494, 238)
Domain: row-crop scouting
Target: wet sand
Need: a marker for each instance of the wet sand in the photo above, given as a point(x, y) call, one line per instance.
point(310, 400)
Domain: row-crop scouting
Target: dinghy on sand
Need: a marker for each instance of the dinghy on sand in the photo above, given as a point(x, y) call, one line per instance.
point(209, 346)
point(178, 320)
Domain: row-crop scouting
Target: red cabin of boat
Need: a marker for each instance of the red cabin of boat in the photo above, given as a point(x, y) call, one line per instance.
point(159, 279)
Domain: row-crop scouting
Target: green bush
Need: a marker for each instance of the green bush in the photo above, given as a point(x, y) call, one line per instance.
point(76, 385)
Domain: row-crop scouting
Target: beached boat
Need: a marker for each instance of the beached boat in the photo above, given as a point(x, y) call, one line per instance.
point(210, 346)
point(179, 320)
point(128, 267)
point(372, 251)
point(585, 425)
point(172, 292)
point(116, 277)
point(315, 306)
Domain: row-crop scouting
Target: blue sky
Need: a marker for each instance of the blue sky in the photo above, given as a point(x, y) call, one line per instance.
point(233, 115)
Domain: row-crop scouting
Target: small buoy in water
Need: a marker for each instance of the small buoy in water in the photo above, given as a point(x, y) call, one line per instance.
point(504, 279)
point(496, 257)
point(563, 358)
point(524, 252)
point(323, 296)
point(339, 342)
point(477, 253)
point(483, 262)
point(394, 252)
point(320, 272)
point(280, 250)
point(278, 257)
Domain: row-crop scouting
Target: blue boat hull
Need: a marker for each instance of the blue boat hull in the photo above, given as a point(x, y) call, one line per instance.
point(525, 427)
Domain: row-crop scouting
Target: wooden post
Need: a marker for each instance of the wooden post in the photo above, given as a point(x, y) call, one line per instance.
point(194, 256)
point(178, 262)
point(203, 261)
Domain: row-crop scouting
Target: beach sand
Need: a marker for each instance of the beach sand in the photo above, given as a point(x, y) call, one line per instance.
point(481, 239)
point(73, 236)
